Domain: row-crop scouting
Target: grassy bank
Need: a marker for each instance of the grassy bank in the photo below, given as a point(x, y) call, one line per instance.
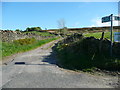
point(40, 33)
point(79, 53)
point(22, 45)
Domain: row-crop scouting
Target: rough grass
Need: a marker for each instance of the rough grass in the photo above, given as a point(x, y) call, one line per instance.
point(40, 33)
point(22, 45)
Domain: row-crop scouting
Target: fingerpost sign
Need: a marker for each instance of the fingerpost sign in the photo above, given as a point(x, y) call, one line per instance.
point(108, 19)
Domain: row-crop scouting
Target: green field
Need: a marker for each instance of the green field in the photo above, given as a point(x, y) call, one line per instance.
point(98, 35)
point(21, 45)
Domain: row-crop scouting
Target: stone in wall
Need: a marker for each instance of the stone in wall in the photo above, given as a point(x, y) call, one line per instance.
point(9, 36)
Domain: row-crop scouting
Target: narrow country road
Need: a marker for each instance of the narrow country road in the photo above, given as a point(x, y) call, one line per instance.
point(40, 71)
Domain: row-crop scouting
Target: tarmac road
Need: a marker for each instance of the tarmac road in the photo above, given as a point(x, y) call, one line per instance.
point(40, 71)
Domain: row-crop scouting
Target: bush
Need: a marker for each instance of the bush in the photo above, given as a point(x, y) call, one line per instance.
point(33, 29)
point(116, 49)
point(24, 41)
point(87, 53)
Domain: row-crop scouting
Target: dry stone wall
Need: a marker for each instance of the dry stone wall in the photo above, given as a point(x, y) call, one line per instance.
point(9, 36)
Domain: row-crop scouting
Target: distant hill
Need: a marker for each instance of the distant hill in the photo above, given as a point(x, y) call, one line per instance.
point(86, 29)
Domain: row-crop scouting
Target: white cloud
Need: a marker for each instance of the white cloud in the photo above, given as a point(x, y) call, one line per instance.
point(97, 23)
point(92, 26)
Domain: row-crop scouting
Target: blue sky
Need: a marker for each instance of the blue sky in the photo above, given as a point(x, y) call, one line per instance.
point(20, 15)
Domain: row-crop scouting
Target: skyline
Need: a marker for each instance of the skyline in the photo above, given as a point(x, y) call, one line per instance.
point(20, 15)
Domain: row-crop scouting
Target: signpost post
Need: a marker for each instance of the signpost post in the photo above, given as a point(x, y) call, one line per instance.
point(108, 19)
point(111, 17)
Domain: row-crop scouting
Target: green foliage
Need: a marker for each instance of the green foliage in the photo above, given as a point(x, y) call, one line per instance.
point(22, 45)
point(33, 29)
point(18, 30)
point(28, 29)
point(36, 28)
point(86, 53)
point(24, 41)
point(40, 33)
point(63, 32)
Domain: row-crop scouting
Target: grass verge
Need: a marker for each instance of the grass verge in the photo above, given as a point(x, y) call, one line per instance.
point(22, 45)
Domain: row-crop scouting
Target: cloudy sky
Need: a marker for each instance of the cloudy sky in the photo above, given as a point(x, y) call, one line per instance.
point(20, 15)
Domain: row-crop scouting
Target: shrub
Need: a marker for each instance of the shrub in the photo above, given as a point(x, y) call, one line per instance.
point(116, 49)
point(84, 53)
point(24, 41)
point(33, 29)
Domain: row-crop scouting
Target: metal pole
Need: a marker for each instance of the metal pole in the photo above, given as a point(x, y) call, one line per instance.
point(111, 29)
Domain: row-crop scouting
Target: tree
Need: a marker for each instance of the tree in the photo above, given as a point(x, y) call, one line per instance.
point(33, 29)
point(36, 28)
point(61, 23)
point(62, 28)
point(17, 30)
point(28, 29)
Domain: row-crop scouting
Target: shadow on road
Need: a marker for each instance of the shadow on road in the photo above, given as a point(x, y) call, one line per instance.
point(48, 60)
point(33, 64)
point(51, 59)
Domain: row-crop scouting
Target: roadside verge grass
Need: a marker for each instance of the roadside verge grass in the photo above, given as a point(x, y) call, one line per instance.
point(22, 45)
